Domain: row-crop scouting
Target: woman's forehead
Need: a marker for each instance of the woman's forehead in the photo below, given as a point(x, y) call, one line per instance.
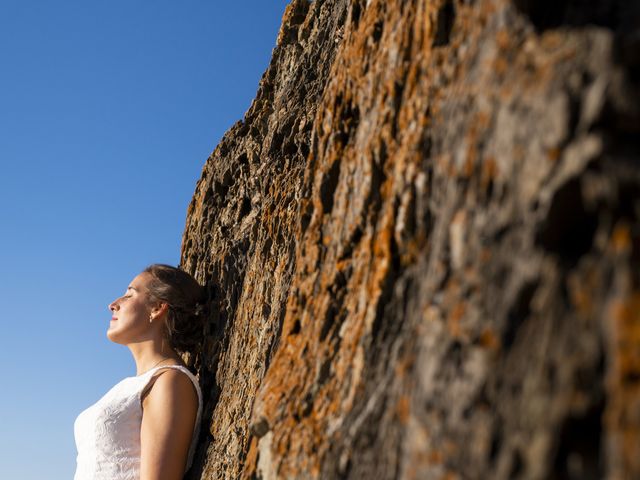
point(139, 281)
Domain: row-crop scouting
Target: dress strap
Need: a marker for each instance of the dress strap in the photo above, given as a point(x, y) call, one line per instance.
point(149, 383)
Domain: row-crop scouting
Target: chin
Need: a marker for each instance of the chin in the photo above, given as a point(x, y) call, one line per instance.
point(112, 335)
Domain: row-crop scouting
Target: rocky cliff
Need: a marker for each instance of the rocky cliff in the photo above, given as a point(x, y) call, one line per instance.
point(422, 247)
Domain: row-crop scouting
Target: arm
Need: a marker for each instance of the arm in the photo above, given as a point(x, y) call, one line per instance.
point(168, 416)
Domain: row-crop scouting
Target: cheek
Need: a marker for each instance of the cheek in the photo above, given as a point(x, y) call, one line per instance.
point(133, 320)
point(134, 311)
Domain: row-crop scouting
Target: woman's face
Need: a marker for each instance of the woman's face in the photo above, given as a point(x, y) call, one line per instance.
point(131, 312)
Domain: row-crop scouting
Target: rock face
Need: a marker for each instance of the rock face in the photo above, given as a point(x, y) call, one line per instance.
point(422, 245)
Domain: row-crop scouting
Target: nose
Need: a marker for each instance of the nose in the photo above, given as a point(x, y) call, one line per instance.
point(112, 306)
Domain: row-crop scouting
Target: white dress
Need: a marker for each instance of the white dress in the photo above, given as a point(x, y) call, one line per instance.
point(107, 434)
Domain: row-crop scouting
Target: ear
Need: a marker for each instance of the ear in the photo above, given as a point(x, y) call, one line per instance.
point(160, 309)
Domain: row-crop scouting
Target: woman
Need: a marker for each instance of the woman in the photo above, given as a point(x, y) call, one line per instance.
point(146, 426)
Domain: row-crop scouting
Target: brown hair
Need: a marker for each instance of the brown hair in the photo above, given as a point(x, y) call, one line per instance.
point(187, 303)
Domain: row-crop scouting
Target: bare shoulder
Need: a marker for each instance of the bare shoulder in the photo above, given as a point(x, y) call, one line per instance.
point(171, 385)
point(168, 423)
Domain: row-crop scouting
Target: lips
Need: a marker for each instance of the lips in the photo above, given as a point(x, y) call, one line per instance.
point(113, 318)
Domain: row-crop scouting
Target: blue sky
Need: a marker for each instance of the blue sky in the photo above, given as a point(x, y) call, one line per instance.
point(108, 111)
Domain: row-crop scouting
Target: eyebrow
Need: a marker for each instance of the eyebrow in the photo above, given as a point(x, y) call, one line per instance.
point(133, 288)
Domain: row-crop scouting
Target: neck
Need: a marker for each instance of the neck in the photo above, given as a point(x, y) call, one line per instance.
point(148, 353)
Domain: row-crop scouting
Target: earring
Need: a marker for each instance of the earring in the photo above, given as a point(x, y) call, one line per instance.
point(150, 318)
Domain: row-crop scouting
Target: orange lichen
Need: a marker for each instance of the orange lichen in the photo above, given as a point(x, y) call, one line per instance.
point(503, 39)
point(553, 154)
point(453, 321)
point(403, 409)
point(621, 238)
point(489, 339)
point(623, 381)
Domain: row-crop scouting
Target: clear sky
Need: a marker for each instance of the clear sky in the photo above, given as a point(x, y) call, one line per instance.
point(108, 111)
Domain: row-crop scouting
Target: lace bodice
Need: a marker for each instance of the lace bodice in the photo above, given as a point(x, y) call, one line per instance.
point(107, 433)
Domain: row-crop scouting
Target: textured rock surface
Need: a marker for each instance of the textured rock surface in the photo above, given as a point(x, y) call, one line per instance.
point(423, 247)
